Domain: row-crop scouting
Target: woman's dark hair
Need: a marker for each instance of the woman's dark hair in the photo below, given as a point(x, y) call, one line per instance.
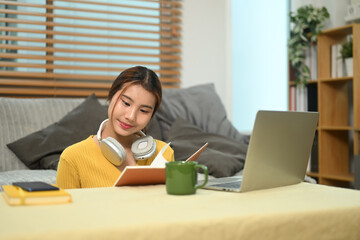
point(138, 75)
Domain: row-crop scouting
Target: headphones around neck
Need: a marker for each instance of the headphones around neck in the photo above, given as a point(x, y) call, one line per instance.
point(142, 148)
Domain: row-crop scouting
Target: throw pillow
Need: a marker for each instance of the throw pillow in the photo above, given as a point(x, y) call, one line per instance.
point(42, 149)
point(223, 156)
point(20, 117)
point(199, 105)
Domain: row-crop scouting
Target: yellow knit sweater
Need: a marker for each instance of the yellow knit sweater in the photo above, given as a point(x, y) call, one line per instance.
point(82, 165)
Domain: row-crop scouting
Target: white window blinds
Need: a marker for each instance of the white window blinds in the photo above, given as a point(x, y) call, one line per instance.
point(74, 47)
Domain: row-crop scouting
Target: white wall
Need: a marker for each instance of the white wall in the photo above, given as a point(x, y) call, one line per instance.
point(336, 9)
point(208, 55)
point(207, 51)
point(260, 62)
point(207, 46)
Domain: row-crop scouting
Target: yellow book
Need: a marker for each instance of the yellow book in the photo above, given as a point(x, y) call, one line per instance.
point(15, 195)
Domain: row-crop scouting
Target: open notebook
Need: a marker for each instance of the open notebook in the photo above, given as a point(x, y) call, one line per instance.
point(153, 174)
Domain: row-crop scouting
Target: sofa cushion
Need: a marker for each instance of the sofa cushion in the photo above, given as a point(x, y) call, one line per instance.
point(223, 156)
point(20, 117)
point(199, 105)
point(42, 149)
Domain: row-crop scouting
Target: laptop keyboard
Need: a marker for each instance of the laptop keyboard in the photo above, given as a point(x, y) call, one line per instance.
point(235, 184)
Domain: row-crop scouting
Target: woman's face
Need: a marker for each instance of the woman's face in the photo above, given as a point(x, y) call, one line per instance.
point(132, 111)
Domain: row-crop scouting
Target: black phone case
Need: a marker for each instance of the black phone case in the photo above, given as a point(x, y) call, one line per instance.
point(35, 186)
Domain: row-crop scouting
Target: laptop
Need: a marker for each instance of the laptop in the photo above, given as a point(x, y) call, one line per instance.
point(278, 152)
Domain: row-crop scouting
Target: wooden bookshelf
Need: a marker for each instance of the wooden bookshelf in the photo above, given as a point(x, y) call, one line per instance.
point(338, 104)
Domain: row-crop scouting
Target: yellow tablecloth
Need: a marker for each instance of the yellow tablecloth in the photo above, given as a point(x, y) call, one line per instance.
point(303, 211)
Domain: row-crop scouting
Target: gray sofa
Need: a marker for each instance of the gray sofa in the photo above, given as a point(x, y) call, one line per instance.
point(19, 118)
point(34, 131)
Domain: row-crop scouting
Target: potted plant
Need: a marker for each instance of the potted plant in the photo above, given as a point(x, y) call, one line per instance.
point(307, 24)
point(346, 52)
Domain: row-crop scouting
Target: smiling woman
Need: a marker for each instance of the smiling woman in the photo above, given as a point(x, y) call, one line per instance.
point(131, 109)
point(98, 160)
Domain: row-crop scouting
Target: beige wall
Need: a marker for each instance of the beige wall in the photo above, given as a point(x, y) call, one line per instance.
point(207, 46)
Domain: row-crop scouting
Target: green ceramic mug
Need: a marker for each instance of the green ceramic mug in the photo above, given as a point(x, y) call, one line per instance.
point(181, 177)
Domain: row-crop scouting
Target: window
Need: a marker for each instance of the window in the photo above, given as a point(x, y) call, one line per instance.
point(75, 47)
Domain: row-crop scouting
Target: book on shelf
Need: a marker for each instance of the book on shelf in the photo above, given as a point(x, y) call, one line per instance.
point(339, 62)
point(152, 174)
point(333, 60)
point(313, 164)
point(15, 196)
point(312, 99)
point(301, 98)
point(292, 105)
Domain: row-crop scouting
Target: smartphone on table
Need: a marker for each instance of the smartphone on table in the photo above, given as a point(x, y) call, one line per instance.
point(35, 186)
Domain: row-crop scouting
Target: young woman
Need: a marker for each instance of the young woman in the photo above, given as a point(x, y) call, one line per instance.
point(133, 99)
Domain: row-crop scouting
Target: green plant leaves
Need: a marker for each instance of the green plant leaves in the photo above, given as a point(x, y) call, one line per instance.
point(307, 24)
point(347, 48)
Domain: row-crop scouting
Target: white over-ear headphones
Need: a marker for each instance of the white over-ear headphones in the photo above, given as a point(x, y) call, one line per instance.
point(143, 147)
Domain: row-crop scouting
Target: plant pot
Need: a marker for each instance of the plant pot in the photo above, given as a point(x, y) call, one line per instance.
point(349, 67)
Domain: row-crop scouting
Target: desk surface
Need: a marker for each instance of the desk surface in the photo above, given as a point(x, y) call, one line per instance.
point(303, 211)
